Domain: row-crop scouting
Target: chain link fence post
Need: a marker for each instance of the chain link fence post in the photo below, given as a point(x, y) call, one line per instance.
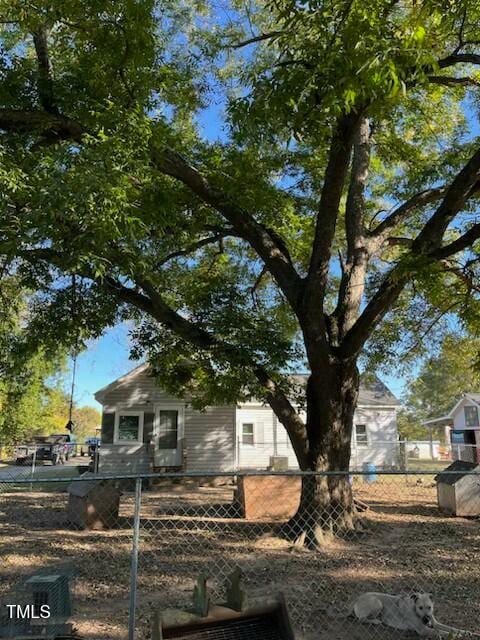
point(134, 561)
point(32, 471)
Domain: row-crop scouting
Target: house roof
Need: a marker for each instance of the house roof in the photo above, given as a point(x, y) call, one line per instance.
point(372, 393)
point(447, 419)
point(461, 467)
point(119, 381)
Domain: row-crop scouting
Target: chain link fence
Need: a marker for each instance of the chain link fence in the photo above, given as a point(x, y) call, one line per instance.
point(106, 554)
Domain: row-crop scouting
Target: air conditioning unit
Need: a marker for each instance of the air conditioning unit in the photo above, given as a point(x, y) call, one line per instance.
point(278, 463)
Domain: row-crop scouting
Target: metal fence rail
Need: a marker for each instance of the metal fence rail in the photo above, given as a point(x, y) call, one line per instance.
point(131, 546)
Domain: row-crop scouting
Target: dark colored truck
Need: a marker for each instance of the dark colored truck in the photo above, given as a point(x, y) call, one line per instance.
point(54, 448)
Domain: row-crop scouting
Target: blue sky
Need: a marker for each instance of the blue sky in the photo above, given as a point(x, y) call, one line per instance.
point(105, 360)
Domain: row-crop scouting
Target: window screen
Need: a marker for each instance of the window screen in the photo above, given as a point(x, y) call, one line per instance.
point(361, 437)
point(471, 416)
point(128, 427)
point(168, 430)
point(247, 433)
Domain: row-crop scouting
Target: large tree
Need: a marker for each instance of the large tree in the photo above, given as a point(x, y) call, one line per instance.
point(326, 211)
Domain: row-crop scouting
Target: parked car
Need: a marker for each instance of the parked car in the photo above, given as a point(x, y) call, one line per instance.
point(52, 448)
point(24, 453)
point(55, 448)
point(90, 446)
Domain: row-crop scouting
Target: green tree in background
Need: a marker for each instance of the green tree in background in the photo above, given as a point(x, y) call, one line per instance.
point(23, 371)
point(440, 383)
point(327, 217)
point(32, 396)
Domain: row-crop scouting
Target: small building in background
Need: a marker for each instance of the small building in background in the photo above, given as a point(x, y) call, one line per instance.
point(458, 491)
point(461, 426)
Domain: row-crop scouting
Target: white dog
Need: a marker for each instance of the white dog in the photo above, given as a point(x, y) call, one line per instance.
point(407, 613)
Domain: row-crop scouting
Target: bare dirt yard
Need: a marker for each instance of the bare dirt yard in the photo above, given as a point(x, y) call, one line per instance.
point(185, 529)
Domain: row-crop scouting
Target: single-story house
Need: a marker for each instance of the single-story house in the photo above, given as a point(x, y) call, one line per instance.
point(462, 428)
point(145, 429)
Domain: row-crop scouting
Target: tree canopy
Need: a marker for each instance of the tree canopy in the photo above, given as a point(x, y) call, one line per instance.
point(330, 215)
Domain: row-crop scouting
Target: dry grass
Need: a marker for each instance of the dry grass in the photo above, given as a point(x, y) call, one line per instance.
point(408, 545)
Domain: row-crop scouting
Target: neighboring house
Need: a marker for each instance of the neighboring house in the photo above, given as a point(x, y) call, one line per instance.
point(462, 427)
point(144, 428)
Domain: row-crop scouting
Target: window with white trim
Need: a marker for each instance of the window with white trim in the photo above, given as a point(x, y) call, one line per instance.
point(129, 427)
point(248, 433)
point(361, 435)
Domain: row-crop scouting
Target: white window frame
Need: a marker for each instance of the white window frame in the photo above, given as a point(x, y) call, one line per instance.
point(367, 443)
point(245, 444)
point(121, 412)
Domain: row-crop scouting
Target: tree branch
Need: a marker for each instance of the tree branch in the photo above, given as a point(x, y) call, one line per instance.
point(334, 182)
point(265, 242)
point(45, 73)
point(54, 126)
point(459, 58)
point(464, 241)
point(195, 246)
point(204, 340)
point(259, 38)
point(355, 267)
point(406, 209)
point(355, 205)
point(425, 248)
point(457, 194)
point(462, 273)
point(451, 80)
point(153, 304)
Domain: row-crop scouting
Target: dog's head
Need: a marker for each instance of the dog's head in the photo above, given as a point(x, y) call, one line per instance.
point(423, 607)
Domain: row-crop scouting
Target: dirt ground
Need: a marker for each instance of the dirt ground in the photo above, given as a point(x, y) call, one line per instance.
point(407, 545)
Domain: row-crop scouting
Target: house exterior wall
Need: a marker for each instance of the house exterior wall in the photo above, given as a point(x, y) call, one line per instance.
point(208, 437)
point(459, 415)
point(270, 438)
point(213, 439)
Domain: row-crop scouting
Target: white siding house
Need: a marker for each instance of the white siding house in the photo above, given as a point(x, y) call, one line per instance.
point(143, 428)
point(462, 427)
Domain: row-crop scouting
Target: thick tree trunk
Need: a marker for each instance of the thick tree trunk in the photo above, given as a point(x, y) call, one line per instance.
point(326, 503)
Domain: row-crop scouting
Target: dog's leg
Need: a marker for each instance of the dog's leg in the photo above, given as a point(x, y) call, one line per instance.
point(429, 632)
point(446, 629)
